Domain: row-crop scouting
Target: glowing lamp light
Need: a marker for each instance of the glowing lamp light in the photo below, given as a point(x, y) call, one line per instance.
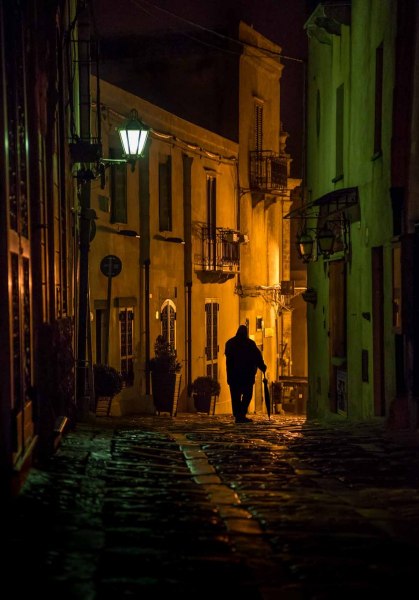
point(305, 245)
point(326, 241)
point(133, 134)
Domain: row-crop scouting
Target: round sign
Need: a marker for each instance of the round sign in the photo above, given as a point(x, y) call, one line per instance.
point(111, 265)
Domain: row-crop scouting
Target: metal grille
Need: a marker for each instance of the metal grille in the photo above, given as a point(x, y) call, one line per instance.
point(220, 250)
point(268, 171)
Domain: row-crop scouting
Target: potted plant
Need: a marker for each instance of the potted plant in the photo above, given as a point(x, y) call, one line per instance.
point(108, 383)
point(205, 391)
point(165, 376)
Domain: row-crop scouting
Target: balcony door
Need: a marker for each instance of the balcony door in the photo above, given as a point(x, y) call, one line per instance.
point(212, 308)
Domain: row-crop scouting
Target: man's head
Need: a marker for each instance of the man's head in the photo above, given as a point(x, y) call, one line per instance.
point(242, 332)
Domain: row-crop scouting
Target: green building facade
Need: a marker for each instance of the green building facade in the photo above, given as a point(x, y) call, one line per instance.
point(353, 225)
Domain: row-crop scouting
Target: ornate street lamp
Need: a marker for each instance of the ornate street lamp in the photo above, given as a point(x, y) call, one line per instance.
point(133, 134)
point(326, 240)
point(305, 245)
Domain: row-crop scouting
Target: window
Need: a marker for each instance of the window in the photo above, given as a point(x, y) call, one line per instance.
point(126, 344)
point(165, 195)
point(378, 100)
point(211, 202)
point(258, 127)
point(118, 190)
point(211, 334)
point(339, 132)
point(259, 173)
point(168, 322)
point(212, 219)
point(318, 113)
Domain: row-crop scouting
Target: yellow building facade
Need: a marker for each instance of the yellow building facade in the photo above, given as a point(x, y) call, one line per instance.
point(178, 276)
point(266, 288)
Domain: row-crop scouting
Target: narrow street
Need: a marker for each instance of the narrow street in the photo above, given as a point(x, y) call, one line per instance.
point(198, 506)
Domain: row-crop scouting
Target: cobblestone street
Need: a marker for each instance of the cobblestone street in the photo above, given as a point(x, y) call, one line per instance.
point(199, 506)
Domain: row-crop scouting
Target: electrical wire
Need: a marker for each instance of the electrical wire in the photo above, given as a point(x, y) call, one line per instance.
point(139, 4)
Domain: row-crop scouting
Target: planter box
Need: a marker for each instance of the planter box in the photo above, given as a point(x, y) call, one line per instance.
point(166, 388)
point(205, 403)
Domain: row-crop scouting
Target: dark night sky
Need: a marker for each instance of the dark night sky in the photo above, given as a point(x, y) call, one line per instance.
point(281, 21)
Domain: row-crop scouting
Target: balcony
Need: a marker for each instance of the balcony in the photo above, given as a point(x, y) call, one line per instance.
point(217, 256)
point(268, 172)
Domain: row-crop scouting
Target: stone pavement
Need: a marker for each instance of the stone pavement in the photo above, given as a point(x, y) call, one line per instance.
point(200, 507)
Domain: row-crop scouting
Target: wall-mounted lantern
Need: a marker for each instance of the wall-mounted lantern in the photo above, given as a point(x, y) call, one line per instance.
point(133, 134)
point(305, 244)
point(326, 240)
point(331, 237)
point(325, 224)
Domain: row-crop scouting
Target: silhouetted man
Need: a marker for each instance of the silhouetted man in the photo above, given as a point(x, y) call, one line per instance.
point(243, 358)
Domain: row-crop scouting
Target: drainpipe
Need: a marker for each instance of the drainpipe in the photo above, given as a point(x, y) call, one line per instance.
point(145, 259)
point(147, 324)
point(238, 227)
point(187, 265)
point(82, 400)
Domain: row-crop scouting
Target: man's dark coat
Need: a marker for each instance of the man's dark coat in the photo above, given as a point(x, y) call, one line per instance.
point(243, 358)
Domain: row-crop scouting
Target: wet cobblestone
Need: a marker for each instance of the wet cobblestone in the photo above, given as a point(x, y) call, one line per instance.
point(198, 506)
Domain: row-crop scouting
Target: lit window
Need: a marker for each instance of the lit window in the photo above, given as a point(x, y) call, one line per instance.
point(168, 323)
point(126, 344)
point(211, 333)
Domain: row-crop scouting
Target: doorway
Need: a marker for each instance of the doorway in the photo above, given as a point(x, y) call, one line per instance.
point(337, 336)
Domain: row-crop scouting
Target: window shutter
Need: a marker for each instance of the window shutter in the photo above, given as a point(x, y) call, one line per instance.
point(165, 195)
point(118, 190)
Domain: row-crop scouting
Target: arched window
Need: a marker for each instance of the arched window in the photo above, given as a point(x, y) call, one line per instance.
point(168, 322)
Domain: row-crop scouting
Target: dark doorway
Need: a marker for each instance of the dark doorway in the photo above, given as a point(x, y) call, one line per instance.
point(337, 336)
point(378, 329)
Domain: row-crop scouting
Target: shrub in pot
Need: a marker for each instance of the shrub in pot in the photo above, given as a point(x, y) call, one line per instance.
point(204, 389)
point(108, 382)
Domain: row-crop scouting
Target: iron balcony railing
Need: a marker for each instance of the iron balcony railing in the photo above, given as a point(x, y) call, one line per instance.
point(268, 171)
point(219, 249)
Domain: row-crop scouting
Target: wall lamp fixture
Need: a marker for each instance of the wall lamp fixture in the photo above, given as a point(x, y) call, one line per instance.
point(133, 135)
point(174, 240)
point(124, 232)
point(331, 237)
point(129, 233)
point(325, 224)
